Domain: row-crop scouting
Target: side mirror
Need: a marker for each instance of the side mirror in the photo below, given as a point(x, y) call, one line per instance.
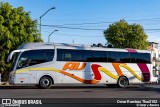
point(11, 55)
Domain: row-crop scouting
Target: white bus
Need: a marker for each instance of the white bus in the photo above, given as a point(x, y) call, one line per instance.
point(43, 64)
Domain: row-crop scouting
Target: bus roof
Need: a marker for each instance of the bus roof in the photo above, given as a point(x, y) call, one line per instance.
point(41, 45)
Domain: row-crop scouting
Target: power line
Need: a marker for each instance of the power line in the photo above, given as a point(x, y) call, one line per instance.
point(91, 23)
point(144, 19)
point(103, 12)
point(77, 28)
point(76, 35)
point(110, 22)
point(102, 20)
point(152, 29)
point(71, 27)
point(73, 35)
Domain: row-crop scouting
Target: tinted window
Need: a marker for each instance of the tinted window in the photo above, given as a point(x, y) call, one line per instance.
point(87, 56)
point(33, 57)
point(73, 55)
point(81, 55)
point(69, 55)
point(99, 56)
point(118, 57)
point(140, 58)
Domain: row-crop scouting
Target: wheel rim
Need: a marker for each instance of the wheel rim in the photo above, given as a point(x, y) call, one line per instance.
point(45, 82)
point(123, 82)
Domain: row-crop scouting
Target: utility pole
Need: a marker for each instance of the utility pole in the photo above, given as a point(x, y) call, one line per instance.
point(42, 16)
point(50, 35)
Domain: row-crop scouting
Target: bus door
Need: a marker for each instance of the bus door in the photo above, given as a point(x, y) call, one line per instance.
point(22, 70)
point(24, 74)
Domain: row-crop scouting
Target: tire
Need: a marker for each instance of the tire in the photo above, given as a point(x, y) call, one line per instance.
point(123, 82)
point(45, 82)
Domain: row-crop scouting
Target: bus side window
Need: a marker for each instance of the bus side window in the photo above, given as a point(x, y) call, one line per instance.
point(63, 55)
point(67, 56)
point(140, 58)
point(118, 57)
point(87, 56)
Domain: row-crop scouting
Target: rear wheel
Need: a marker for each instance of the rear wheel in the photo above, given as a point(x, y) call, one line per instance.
point(123, 82)
point(45, 82)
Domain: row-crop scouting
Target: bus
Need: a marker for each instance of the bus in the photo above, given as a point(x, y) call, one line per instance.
point(45, 64)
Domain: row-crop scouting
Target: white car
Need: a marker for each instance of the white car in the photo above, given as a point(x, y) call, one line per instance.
point(154, 79)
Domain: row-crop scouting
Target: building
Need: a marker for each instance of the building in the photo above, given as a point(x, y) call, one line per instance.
point(153, 47)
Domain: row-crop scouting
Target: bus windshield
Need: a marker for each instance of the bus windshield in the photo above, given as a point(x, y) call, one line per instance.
point(33, 57)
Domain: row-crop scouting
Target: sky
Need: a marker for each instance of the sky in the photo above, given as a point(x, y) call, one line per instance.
point(84, 21)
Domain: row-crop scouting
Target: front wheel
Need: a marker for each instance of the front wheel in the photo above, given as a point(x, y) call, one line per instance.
point(123, 82)
point(45, 82)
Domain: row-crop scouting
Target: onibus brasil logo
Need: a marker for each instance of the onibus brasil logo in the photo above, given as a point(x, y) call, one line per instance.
point(18, 102)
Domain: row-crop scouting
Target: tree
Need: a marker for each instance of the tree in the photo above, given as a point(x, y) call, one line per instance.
point(16, 28)
point(123, 35)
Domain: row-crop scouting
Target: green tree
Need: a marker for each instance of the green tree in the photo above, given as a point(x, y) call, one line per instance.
point(123, 35)
point(16, 28)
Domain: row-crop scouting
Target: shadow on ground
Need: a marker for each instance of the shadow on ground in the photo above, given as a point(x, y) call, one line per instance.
point(142, 87)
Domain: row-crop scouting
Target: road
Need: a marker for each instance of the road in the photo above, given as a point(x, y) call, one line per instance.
point(81, 91)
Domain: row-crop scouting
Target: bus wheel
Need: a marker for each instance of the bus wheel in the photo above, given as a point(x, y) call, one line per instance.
point(123, 82)
point(45, 82)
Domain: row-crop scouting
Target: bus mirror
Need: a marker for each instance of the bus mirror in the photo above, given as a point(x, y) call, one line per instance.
point(11, 54)
point(9, 57)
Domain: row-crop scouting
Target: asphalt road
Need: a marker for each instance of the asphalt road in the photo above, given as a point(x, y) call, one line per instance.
point(81, 91)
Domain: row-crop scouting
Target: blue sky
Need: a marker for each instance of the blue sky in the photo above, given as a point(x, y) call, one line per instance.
point(92, 17)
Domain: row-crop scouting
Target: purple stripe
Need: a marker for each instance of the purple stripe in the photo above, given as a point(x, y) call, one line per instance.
point(143, 68)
